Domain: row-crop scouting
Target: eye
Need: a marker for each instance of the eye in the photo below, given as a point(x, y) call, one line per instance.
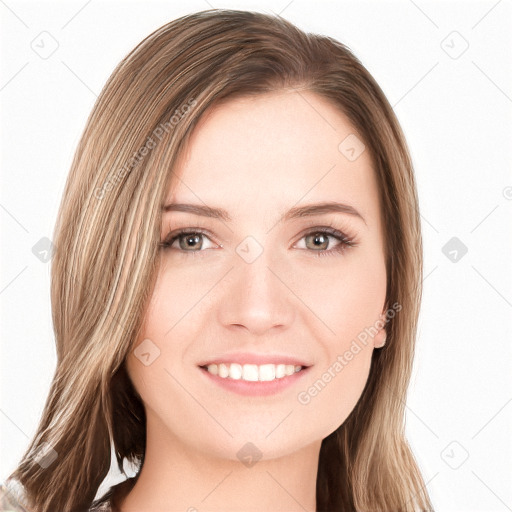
point(320, 238)
point(189, 240)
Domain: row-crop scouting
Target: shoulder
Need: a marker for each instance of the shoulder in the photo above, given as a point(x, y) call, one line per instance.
point(109, 501)
point(104, 506)
point(11, 497)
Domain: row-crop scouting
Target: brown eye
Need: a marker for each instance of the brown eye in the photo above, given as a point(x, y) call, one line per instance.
point(192, 241)
point(188, 241)
point(317, 241)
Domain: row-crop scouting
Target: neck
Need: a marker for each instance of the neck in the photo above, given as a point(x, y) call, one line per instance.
point(178, 477)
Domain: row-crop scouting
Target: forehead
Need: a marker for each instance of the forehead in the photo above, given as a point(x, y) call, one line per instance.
point(273, 151)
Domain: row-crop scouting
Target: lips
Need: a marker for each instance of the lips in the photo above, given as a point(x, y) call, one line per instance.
point(252, 380)
point(254, 358)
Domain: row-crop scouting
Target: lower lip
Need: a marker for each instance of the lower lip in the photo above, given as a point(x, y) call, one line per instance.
point(257, 388)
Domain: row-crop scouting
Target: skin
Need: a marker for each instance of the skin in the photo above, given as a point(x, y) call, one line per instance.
point(257, 158)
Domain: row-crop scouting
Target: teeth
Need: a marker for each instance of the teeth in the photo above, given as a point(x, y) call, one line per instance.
point(235, 371)
point(253, 372)
point(250, 372)
point(213, 368)
point(223, 371)
point(267, 372)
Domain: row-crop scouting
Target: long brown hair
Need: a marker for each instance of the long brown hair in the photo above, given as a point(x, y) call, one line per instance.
point(107, 235)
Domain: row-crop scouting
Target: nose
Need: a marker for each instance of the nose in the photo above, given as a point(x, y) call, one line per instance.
point(256, 298)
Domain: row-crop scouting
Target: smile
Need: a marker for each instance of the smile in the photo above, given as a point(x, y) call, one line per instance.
point(252, 372)
point(254, 380)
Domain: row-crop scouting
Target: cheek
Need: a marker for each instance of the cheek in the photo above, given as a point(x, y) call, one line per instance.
point(156, 369)
point(157, 363)
point(346, 296)
point(182, 292)
point(347, 303)
point(334, 388)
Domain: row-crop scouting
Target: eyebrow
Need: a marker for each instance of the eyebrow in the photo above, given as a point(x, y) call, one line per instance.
point(293, 213)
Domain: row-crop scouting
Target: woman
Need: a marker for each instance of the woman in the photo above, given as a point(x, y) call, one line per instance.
point(236, 283)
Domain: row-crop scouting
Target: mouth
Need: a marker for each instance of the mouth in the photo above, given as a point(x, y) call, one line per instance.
point(252, 379)
point(253, 372)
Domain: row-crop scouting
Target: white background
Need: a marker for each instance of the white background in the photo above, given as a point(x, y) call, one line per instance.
point(455, 108)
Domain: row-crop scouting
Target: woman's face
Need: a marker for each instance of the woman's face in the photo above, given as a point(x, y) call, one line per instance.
point(264, 281)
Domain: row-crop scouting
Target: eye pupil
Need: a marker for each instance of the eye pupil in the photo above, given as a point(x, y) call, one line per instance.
point(193, 239)
point(320, 240)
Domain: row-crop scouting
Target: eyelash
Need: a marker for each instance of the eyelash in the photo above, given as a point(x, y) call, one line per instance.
point(345, 241)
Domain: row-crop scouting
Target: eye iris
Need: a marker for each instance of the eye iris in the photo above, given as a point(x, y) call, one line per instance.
point(194, 239)
point(320, 240)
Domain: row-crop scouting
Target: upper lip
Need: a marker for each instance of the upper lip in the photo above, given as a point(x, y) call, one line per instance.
point(253, 358)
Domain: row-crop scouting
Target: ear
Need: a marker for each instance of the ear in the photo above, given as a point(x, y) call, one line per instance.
point(379, 340)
